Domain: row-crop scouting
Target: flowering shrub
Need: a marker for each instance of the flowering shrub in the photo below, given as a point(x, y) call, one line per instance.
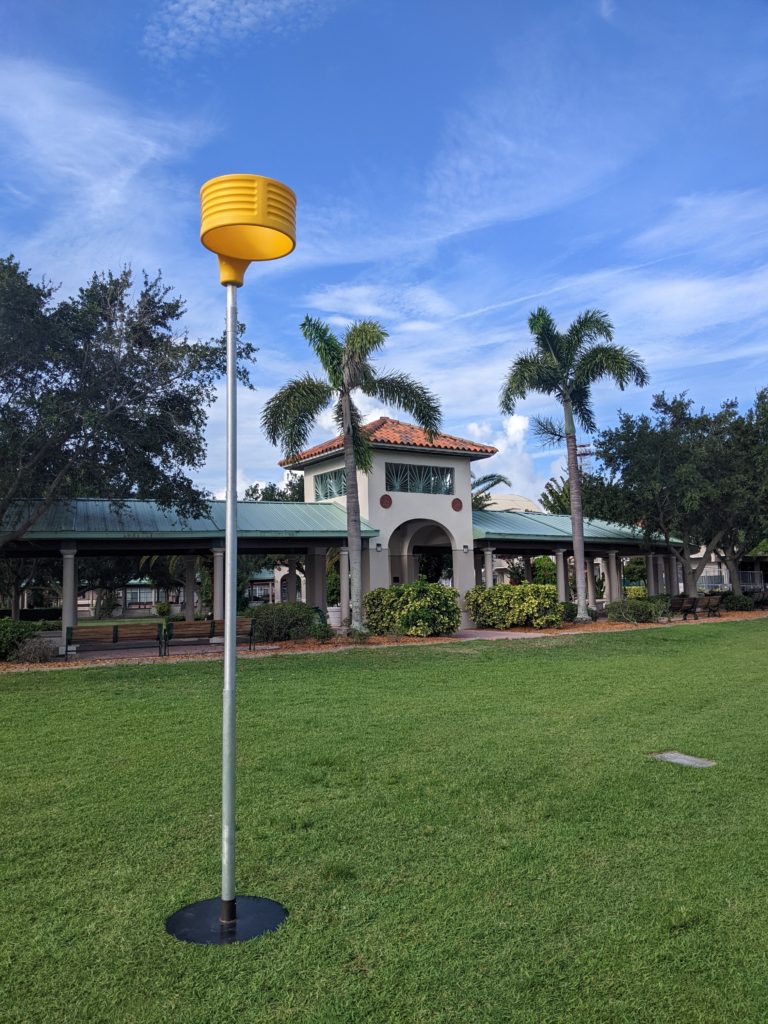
point(505, 606)
point(413, 609)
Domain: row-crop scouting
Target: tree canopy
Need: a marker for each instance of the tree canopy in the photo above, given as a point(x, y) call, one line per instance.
point(695, 478)
point(100, 394)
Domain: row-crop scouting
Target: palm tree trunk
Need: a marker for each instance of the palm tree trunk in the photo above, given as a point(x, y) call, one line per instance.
point(577, 515)
point(353, 521)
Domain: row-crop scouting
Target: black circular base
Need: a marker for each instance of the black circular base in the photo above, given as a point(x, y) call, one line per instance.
point(199, 922)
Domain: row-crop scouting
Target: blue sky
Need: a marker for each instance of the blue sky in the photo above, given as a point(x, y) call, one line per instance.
point(456, 165)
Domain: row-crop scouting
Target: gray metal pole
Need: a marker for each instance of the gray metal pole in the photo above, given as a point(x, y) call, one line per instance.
point(228, 909)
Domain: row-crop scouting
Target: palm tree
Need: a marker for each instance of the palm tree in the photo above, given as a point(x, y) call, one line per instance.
point(482, 485)
point(290, 415)
point(566, 366)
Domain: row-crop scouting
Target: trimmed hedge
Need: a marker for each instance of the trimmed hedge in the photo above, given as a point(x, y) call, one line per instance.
point(738, 603)
point(12, 636)
point(569, 611)
point(413, 609)
point(287, 622)
point(506, 606)
point(636, 591)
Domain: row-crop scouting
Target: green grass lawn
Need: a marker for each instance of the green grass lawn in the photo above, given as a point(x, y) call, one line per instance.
point(466, 833)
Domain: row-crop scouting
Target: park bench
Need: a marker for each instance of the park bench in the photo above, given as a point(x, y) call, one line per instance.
point(710, 604)
point(683, 605)
point(211, 629)
point(187, 631)
point(243, 630)
point(124, 634)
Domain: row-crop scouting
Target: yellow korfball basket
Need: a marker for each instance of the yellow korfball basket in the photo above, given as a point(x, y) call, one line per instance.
point(245, 217)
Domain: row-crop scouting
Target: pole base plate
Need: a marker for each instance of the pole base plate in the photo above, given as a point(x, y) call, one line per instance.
point(199, 922)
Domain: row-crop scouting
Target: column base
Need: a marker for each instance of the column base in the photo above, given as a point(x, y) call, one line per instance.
point(199, 922)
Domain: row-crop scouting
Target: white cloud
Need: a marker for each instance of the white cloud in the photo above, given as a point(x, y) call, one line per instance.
point(730, 225)
point(607, 9)
point(181, 28)
point(97, 180)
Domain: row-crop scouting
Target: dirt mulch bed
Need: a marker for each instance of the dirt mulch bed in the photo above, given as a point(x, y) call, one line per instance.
point(216, 653)
point(343, 644)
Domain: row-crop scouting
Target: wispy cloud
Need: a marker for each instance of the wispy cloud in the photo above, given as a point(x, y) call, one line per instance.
point(730, 225)
point(181, 28)
point(99, 183)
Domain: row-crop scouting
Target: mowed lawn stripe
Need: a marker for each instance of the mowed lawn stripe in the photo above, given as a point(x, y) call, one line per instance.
point(462, 833)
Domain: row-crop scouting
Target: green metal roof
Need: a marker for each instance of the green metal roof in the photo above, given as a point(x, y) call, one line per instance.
point(541, 526)
point(98, 518)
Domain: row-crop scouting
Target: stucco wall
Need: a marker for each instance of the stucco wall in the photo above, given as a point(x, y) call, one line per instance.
point(406, 506)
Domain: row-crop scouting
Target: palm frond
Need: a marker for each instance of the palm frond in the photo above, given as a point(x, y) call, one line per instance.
point(581, 404)
point(620, 364)
point(588, 327)
point(290, 413)
point(482, 484)
point(363, 338)
point(531, 371)
point(326, 347)
point(550, 433)
point(404, 392)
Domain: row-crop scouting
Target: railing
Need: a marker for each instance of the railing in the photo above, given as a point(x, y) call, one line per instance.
point(751, 580)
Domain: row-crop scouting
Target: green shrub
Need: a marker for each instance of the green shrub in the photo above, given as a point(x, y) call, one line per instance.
point(506, 606)
point(568, 611)
point(284, 621)
point(163, 609)
point(738, 603)
point(177, 617)
point(413, 609)
point(12, 635)
point(33, 650)
point(321, 631)
point(543, 570)
point(636, 591)
point(632, 610)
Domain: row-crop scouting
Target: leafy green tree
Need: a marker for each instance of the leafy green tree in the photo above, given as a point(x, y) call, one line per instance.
point(290, 415)
point(691, 477)
point(100, 394)
point(483, 485)
point(543, 570)
point(566, 366)
point(556, 496)
point(291, 490)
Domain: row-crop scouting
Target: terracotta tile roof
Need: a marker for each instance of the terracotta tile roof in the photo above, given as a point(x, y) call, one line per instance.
point(384, 432)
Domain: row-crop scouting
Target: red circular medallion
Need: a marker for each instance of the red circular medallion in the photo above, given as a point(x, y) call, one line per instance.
point(457, 505)
point(385, 501)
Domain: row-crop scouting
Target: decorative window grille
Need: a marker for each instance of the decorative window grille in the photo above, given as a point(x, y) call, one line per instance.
point(418, 479)
point(331, 485)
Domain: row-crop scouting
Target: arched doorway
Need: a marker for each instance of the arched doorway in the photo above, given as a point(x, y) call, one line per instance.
point(413, 539)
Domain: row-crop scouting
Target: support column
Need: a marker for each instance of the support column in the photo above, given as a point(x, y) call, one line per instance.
point(189, 588)
point(612, 578)
point(74, 591)
point(291, 580)
point(527, 569)
point(344, 585)
point(562, 579)
point(463, 579)
point(663, 576)
point(218, 583)
point(591, 592)
point(379, 568)
point(316, 578)
point(674, 586)
point(67, 591)
point(650, 576)
point(488, 566)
